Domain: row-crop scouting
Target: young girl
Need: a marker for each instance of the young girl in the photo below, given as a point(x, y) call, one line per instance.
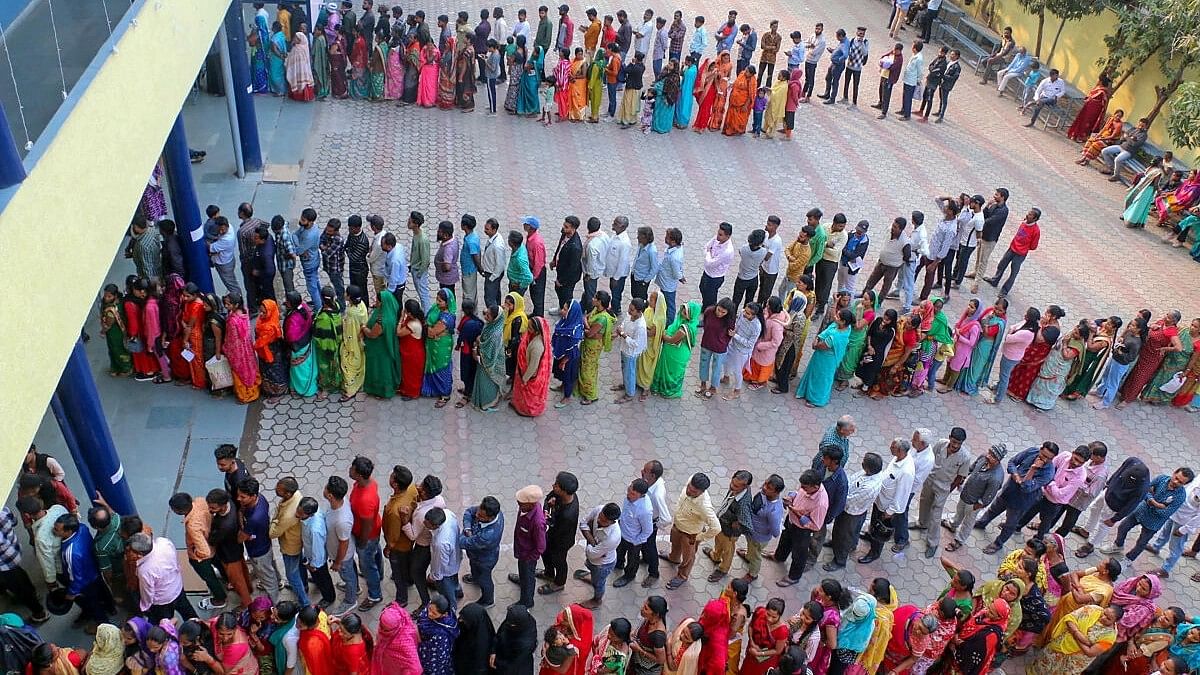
point(647, 110)
point(760, 106)
point(548, 102)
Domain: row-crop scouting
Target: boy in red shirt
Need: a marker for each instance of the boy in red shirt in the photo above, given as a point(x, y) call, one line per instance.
point(1025, 240)
point(364, 504)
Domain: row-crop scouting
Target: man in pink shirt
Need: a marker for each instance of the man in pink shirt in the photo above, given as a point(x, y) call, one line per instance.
point(805, 514)
point(160, 583)
point(536, 248)
point(1070, 474)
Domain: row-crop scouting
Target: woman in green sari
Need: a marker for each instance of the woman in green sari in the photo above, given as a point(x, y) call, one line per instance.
point(490, 377)
point(680, 338)
point(439, 348)
point(377, 69)
point(992, 325)
point(1172, 363)
point(864, 314)
point(595, 86)
point(320, 61)
point(1140, 197)
point(1095, 356)
point(112, 326)
point(327, 338)
point(381, 348)
point(597, 339)
point(353, 362)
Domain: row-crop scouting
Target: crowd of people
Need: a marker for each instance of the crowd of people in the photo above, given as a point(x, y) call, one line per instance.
point(1090, 619)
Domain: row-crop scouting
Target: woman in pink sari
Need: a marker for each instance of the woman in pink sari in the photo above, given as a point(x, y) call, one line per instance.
point(427, 89)
point(393, 88)
point(239, 349)
point(1170, 204)
point(966, 334)
point(231, 647)
point(299, 70)
point(395, 643)
point(531, 381)
point(562, 85)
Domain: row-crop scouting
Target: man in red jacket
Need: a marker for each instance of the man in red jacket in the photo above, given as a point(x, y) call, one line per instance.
point(1025, 240)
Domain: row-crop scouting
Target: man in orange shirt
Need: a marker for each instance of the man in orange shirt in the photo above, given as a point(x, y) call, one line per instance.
point(364, 504)
point(197, 522)
point(610, 77)
point(397, 544)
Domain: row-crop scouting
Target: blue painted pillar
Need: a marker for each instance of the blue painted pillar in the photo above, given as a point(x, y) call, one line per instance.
point(80, 403)
point(77, 454)
point(186, 207)
point(12, 169)
point(240, 66)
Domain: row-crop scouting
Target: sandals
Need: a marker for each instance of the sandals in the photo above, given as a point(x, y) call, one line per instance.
point(461, 404)
point(953, 546)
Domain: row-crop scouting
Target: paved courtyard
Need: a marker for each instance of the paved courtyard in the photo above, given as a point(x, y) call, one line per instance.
point(380, 158)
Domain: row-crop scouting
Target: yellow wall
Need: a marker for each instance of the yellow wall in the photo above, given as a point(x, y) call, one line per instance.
point(1079, 47)
point(86, 174)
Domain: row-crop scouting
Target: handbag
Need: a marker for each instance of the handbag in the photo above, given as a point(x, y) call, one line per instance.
point(219, 373)
point(134, 345)
point(1172, 385)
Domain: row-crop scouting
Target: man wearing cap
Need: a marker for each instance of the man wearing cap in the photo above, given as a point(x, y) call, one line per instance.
point(529, 540)
point(970, 226)
point(695, 520)
point(535, 247)
point(951, 466)
point(978, 490)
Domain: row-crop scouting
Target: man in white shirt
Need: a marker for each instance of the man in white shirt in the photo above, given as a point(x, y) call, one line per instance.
point(633, 329)
point(864, 486)
point(429, 495)
point(602, 534)
point(645, 36)
point(719, 255)
point(521, 27)
point(919, 249)
point(923, 465)
point(618, 259)
point(493, 261)
point(1047, 94)
point(769, 268)
point(222, 253)
point(1184, 523)
point(914, 68)
point(892, 503)
point(339, 522)
point(968, 237)
point(595, 257)
point(652, 473)
point(445, 557)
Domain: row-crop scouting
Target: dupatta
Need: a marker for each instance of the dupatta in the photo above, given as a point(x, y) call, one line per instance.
point(1139, 611)
point(439, 350)
point(236, 657)
point(267, 331)
point(605, 320)
point(491, 349)
point(518, 312)
point(239, 349)
point(568, 332)
point(395, 643)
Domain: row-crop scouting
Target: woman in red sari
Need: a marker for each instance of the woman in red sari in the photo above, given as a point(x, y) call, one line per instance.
point(531, 381)
point(705, 93)
point(562, 85)
point(137, 324)
point(231, 647)
point(724, 71)
point(714, 646)
point(410, 330)
point(190, 337)
point(337, 68)
point(741, 101)
point(1162, 338)
point(1025, 372)
point(1106, 136)
point(768, 638)
point(351, 646)
point(1088, 121)
point(315, 647)
point(910, 636)
point(576, 623)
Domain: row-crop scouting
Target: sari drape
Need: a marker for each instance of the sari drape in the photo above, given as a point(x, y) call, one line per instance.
point(299, 70)
point(395, 644)
point(490, 376)
point(565, 344)
point(112, 321)
point(741, 101)
point(320, 65)
point(1107, 135)
point(724, 70)
point(592, 348)
point(1091, 365)
point(236, 657)
point(277, 64)
point(381, 352)
point(1140, 198)
point(439, 351)
point(579, 88)
point(656, 320)
point(667, 96)
point(427, 86)
point(327, 338)
point(377, 71)
point(562, 89)
point(302, 370)
point(816, 385)
point(1090, 114)
point(394, 81)
point(464, 80)
point(239, 349)
point(1063, 654)
point(1053, 376)
point(353, 358)
point(1172, 363)
point(447, 61)
point(683, 108)
point(412, 358)
point(705, 94)
point(269, 346)
point(1025, 372)
point(529, 398)
point(359, 82)
point(991, 335)
point(776, 107)
point(338, 85)
point(857, 341)
point(673, 362)
point(1175, 202)
point(595, 84)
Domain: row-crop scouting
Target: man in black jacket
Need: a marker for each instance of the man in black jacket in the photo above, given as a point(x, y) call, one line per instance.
point(172, 249)
point(567, 261)
point(1123, 492)
point(953, 70)
point(562, 521)
point(995, 215)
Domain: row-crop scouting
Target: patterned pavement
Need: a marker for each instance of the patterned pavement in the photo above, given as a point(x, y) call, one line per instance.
point(380, 158)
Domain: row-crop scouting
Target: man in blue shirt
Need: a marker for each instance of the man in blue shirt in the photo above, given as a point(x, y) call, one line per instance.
point(837, 58)
point(836, 487)
point(445, 554)
point(256, 523)
point(637, 526)
point(81, 572)
point(470, 258)
point(1028, 472)
point(747, 43)
point(395, 267)
point(766, 523)
point(308, 249)
point(482, 529)
point(699, 40)
point(313, 535)
point(670, 269)
point(1166, 495)
point(645, 263)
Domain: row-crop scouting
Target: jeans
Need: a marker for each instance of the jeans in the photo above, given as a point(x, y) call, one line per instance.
point(537, 294)
point(526, 571)
point(629, 373)
point(961, 261)
point(482, 575)
point(418, 565)
point(398, 562)
point(900, 521)
point(794, 542)
point(711, 365)
point(229, 277)
point(349, 574)
point(826, 272)
point(1110, 381)
point(1114, 156)
point(943, 97)
point(910, 90)
point(810, 78)
point(555, 560)
point(927, 95)
point(589, 291)
point(180, 604)
point(291, 569)
point(629, 557)
point(288, 278)
point(616, 288)
point(885, 94)
point(1143, 539)
point(709, 287)
point(657, 63)
point(765, 72)
point(1167, 534)
point(766, 284)
point(908, 284)
point(927, 19)
point(312, 282)
point(421, 282)
point(851, 74)
point(370, 556)
point(323, 580)
point(599, 578)
point(448, 587)
point(669, 296)
point(1037, 108)
point(612, 98)
point(564, 291)
point(1012, 519)
point(1006, 368)
point(1048, 514)
point(832, 77)
point(339, 288)
point(1016, 261)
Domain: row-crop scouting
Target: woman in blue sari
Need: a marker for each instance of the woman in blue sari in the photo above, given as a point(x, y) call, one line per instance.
point(297, 331)
point(439, 348)
point(683, 108)
point(666, 91)
point(528, 102)
point(258, 39)
point(277, 61)
point(993, 323)
point(828, 351)
point(568, 334)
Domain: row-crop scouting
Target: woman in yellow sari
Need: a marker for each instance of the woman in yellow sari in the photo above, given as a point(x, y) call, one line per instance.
point(1093, 586)
point(656, 325)
point(1083, 635)
point(579, 86)
point(886, 602)
point(1110, 133)
point(597, 339)
point(354, 365)
point(775, 105)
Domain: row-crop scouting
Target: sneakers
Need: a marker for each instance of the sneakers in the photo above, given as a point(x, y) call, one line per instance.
point(1110, 549)
point(343, 609)
point(208, 605)
point(367, 604)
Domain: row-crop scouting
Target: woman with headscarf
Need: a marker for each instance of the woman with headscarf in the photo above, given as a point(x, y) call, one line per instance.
point(935, 344)
point(721, 85)
point(1010, 591)
point(163, 642)
point(595, 84)
point(489, 355)
point(380, 350)
point(854, 633)
point(258, 40)
point(1186, 645)
point(350, 351)
point(1026, 372)
point(705, 94)
point(656, 325)
point(792, 345)
point(716, 619)
point(475, 637)
point(760, 367)
point(1144, 651)
point(327, 337)
point(1083, 635)
point(597, 340)
point(410, 332)
point(679, 339)
point(299, 70)
point(115, 331)
point(108, 652)
point(966, 334)
point(667, 93)
point(138, 657)
point(239, 349)
point(829, 348)
point(395, 643)
point(911, 629)
point(314, 646)
point(1058, 368)
point(297, 330)
point(338, 85)
point(277, 61)
point(886, 602)
point(565, 344)
point(980, 639)
point(562, 84)
point(741, 101)
point(575, 622)
point(269, 345)
point(776, 105)
point(377, 64)
point(864, 313)
point(320, 62)
point(360, 83)
point(687, 84)
point(437, 628)
point(516, 322)
point(516, 638)
point(393, 88)
point(255, 620)
point(684, 647)
point(439, 349)
point(531, 380)
point(992, 324)
point(1136, 595)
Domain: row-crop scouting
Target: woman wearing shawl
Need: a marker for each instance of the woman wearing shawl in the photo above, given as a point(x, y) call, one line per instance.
point(360, 86)
point(437, 629)
point(966, 334)
point(595, 84)
point(320, 62)
point(1174, 361)
point(377, 69)
point(531, 380)
point(297, 330)
point(1058, 368)
point(562, 85)
point(1026, 372)
point(864, 314)
point(1010, 591)
point(1136, 596)
point(667, 92)
point(138, 658)
point(256, 622)
point(239, 349)
point(464, 79)
point(1095, 357)
point(516, 322)
point(715, 619)
point(351, 353)
point(776, 104)
point(1140, 196)
point(679, 339)
point(879, 339)
point(258, 40)
point(597, 340)
point(760, 368)
point(411, 333)
point(475, 637)
point(338, 85)
point(575, 622)
point(1083, 635)
point(934, 346)
point(981, 638)
point(113, 328)
point(489, 354)
point(855, 631)
point(790, 347)
point(1146, 649)
point(327, 339)
point(1081, 589)
point(886, 602)
point(393, 88)
point(163, 642)
point(269, 346)
point(656, 325)
point(445, 73)
point(380, 352)
point(231, 646)
point(683, 648)
point(108, 652)
point(439, 349)
point(687, 84)
point(1109, 134)
point(1087, 122)
point(214, 332)
point(395, 643)
point(741, 101)
point(568, 334)
point(721, 84)
point(829, 348)
point(992, 324)
point(351, 646)
point(277, 61)
point(1186, 645)
point(517, 637)
point(705, 93)
point(299, 70)
point(1168, 205)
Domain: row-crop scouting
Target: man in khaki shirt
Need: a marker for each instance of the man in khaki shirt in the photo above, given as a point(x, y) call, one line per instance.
point(197, 521)
point(397, 513)
point(695, 521)
point(288, 529)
